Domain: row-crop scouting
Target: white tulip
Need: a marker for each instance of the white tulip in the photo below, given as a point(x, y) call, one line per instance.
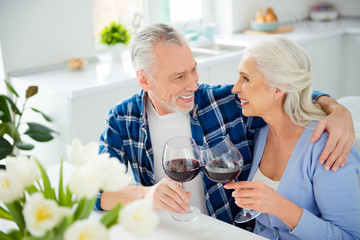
point(86, 181)
point(78, 154)
point(86, 230)
point(23, 168)
point(138, 218)
point(41, 215)
point(11, 188)
point(115, 173)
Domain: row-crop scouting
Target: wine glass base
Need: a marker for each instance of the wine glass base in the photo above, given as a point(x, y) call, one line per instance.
point(189, 216)
point(245, 216)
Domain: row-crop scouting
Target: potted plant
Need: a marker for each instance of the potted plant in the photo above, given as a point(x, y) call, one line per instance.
point(116, 37)
point(11, 120)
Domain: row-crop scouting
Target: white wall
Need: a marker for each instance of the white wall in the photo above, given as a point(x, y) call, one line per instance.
point(234, 15)
point(40, 33)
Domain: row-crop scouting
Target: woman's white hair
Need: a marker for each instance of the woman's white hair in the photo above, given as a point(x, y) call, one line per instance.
point(141, 45)
point(287, 67)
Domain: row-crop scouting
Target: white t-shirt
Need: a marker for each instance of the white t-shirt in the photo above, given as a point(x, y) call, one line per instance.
point(163, 128)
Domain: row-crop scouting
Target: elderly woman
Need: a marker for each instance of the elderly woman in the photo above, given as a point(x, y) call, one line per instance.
point(297, 197)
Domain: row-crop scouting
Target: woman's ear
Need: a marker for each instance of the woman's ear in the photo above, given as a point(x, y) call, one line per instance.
point(278, 94)
point(143, 80)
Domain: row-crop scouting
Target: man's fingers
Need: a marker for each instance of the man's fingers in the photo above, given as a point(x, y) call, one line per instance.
point(329, 149)
point(319, 129)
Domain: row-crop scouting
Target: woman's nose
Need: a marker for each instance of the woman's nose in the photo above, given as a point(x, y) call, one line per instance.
point(237, 87)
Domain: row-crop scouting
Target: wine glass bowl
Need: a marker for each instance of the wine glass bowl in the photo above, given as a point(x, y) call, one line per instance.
point(181, 162)
point(221, 159)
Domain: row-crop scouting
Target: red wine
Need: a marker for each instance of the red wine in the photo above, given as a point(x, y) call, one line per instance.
point(222, 171)
point(182, 169)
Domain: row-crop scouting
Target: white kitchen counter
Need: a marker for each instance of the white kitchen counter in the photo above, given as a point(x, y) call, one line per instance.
point(306, 31)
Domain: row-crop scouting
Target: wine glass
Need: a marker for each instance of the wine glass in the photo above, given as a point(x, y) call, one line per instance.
point(223, 163)
point(221, 159)
point(245, 215)
point(181, 162)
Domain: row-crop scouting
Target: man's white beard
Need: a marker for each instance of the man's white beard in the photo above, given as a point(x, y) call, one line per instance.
point(173, 107)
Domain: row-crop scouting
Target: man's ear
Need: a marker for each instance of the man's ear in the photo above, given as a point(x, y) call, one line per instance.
point(143, 80)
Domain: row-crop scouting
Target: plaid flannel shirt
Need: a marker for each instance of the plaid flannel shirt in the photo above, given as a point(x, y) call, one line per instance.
point(217, 112)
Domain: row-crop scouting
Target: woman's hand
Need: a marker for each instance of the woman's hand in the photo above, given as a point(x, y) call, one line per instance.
point(255, 195)
point(262, 198)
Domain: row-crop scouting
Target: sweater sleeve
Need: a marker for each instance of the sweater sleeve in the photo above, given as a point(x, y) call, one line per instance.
point(337, 195)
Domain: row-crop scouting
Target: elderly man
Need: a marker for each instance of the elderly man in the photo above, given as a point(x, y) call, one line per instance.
point(172, 103)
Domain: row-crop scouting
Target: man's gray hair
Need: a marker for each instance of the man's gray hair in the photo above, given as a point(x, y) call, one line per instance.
point(286, 66)
point(141, 45)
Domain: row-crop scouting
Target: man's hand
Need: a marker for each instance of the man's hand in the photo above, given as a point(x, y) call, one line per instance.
point(169, 195)
point(340, 126)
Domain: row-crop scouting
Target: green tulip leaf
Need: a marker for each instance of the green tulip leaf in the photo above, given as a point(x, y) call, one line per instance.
point(110, 218)
point(15, 210)
point(47, 118)
point(11, 89)
point(49, 192)
point(5, 214)
point(5, 148)
point(84, 208)
point(4, 236)
point(31, 91)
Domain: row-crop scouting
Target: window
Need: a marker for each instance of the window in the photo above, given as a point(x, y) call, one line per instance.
point(128, 12)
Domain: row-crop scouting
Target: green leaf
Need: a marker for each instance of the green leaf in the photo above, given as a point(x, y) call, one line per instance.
point(47, 118)
point(11, 89)
point(5, 214)
point(61, 228)
point(4, 236)
point(12, 104)
point(32, 189)
point(49, 192)
point(110, 218)
point(31, 91)
point(84, 208)
point(11, 130)
point(39, 132)
point(62, 195)
point(24, 146)
point(5, 148)
point(5, 117)
point(15, 210)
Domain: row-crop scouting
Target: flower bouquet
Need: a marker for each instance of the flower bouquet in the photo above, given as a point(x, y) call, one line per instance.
point(40, 212)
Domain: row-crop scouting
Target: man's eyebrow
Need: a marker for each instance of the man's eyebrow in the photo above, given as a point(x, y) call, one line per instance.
point(176, 74)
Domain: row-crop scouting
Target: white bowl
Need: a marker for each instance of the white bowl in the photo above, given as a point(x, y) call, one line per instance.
point(264, 26)
point(323, 15)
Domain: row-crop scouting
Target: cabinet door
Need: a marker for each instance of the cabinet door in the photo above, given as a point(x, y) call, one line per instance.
point(326, 64)
point(88, 112)
point(225, 72)
point(352, 66)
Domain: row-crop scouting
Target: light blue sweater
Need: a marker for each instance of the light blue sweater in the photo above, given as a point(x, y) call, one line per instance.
point(330, 200)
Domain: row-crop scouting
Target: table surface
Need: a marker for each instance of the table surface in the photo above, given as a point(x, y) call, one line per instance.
point(204, 227)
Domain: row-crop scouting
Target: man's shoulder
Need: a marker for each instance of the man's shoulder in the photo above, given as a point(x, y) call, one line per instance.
point(210, 93)
point(132, 104)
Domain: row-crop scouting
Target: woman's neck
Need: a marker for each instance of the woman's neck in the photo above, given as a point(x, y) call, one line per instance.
point(281, 126)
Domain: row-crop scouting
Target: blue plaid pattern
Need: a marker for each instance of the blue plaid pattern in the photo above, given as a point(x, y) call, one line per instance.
point(217, 112)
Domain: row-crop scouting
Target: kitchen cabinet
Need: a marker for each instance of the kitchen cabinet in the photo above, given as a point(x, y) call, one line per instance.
point(326, 56)
point(352, 65)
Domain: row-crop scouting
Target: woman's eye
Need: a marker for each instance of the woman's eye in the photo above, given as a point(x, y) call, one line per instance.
point(246, 79)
